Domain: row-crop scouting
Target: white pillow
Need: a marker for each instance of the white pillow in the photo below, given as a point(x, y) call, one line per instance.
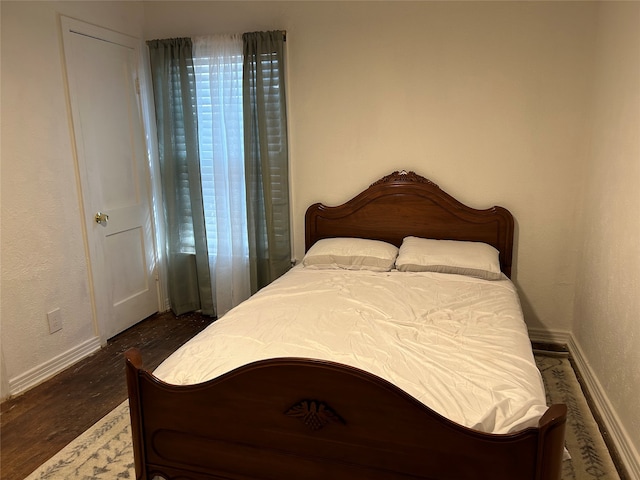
point(474, 259)
point(351, 254)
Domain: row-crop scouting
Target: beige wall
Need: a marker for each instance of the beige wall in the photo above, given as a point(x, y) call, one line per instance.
point(489, 100)
point(44, 263)
point(607, 314)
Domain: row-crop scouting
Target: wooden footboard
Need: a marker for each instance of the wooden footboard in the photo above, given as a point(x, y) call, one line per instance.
point(306, 419)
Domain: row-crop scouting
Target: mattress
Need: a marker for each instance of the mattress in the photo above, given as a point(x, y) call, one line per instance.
point(456, 343)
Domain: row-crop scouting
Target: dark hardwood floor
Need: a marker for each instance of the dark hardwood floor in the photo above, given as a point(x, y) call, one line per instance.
point(37, 424)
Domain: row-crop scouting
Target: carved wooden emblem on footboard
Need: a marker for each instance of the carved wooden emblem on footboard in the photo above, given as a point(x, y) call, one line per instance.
point(314, 414)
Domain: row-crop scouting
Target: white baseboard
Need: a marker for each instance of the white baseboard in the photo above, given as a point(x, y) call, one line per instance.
point(629, 457)
point(545, 336)
point(54, 366)
point(620, 438)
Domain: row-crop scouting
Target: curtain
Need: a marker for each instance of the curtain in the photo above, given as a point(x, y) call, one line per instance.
point(218, 64)
point(174, 92)
point(266, 156)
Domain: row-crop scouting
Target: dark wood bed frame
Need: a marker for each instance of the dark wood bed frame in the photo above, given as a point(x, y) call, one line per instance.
point(303, 419)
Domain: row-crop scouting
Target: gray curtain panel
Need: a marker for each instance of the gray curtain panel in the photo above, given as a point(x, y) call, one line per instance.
point(266, 156)
point(174, 92)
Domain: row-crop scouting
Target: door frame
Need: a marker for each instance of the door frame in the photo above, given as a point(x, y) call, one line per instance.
point(98, 284)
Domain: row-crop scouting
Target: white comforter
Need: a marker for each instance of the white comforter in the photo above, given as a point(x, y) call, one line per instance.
point(457, 344)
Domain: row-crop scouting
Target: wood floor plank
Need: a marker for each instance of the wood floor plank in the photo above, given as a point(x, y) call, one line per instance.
point(37, 424)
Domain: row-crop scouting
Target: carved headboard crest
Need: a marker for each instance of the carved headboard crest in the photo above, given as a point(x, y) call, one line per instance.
point(404, 176)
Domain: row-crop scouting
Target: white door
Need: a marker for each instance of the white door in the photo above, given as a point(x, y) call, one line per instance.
point(102, 79)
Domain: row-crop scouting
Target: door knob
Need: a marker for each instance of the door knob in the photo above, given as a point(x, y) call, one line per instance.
point(102, 218)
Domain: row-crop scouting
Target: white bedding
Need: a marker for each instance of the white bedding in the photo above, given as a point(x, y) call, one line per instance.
point(457, 344)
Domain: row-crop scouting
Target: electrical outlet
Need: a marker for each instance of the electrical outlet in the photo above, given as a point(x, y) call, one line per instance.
point(55, 320)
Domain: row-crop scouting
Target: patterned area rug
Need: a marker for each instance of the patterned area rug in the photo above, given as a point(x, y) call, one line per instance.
point(104, 451)
point(590, 459)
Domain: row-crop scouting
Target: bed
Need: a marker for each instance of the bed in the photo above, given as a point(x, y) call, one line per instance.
point(349, 367)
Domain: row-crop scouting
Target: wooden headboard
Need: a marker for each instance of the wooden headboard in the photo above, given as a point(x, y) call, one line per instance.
point(404, 204)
